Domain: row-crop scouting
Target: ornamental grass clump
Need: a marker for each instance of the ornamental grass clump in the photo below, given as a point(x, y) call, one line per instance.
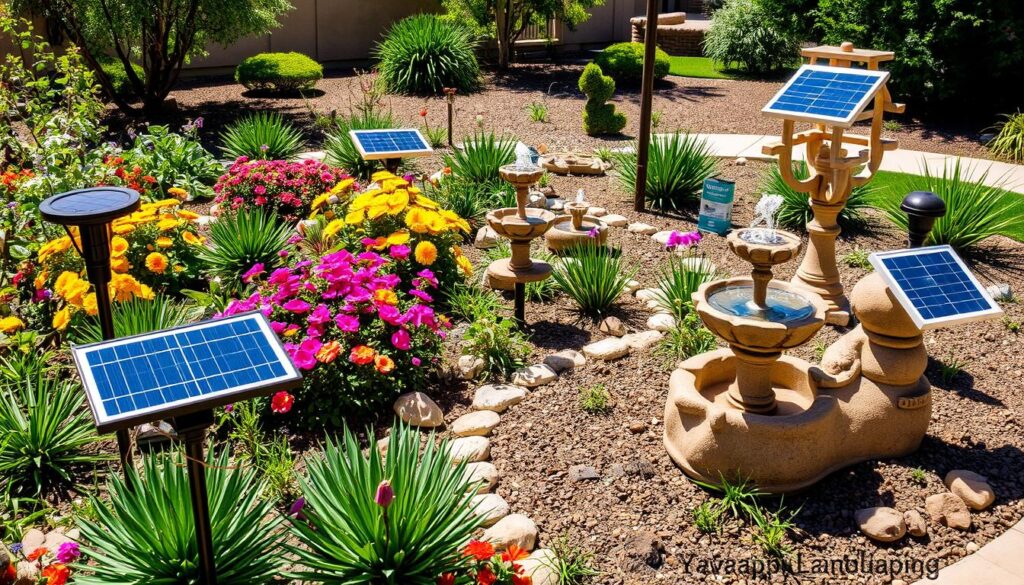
point(145, 533)
point(278, 186)
point(341, 151)
point(1009, 141)
point(676, 169)
point(594, 276)
point(398, 519)
point(795, 212)
point(425, 53)
point(242, 239)
point(137, 316)
point(263, 135)
point(480, 157)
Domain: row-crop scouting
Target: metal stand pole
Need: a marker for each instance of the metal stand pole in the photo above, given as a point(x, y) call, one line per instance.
point(646, 97)
point(192, 428)
point(520, 302)
point(391, 165)
point(451, 114)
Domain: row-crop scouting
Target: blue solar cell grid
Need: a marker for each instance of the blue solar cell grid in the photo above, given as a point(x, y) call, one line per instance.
point(828, 93)
point(390, 141)
point(178, 365)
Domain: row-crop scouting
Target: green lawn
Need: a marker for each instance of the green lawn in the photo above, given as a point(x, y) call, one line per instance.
point(701, 67)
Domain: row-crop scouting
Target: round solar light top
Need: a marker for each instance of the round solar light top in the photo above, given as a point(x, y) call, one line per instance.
point(89, 206)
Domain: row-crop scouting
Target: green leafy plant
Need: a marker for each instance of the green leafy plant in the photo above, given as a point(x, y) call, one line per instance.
point(540, 291)
point(480, 157)
point(369, 519)
point(974, 211)
point(919, 476)
point(599, 117)
point(772, 530)
point(950, 369)
point(595, 399)
point(425, 53)
point(282, 72)
point(624, 62)
point(738, 497)
point(538, 112)
point(679, 279)
point(117, 76)
point(263, 135)
point(271, 456)
point(795, 212)
point(676, 169)
point(594, 276)
point(124, 548)
point(707, 517)
point(1009, 140)
point(858, 258)
point(688, 338)
point(239, 241)
point(499, 343)
point(570, 562)
point(743, 34)
point(1011, 325)
point(176, 160)
point(471, 201)
point(136, 316)
point(892, 126)
point(469, 303)
point(605, 154)
point(820, 347)
point(656, 119)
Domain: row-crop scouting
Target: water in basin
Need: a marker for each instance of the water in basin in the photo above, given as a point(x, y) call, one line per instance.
point(782, 306)
point(763, 236)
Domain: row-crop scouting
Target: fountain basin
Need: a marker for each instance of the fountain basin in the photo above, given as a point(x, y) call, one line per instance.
point(748, 244)
point(563, 235)
point(508, 223)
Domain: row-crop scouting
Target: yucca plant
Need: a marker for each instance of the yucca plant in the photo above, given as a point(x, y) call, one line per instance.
point(263, 135)
point(46, 425)
point(498, 342)
point(469, 302)
point(359, 529)
point(316, 240)
point(470, 200)
point(241, 240)
point(974, 211)
point(136, 316)
point(1009, 141)
point(594, 276)
point(480, 157)
point(795, 211)
point(676, 168)
point(425, 53)
point(679, 279)
point(342, 152)
point(145, 534)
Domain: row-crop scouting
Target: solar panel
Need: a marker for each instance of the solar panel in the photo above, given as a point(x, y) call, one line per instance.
point(833, 95)
point(934, 286)
point(181, 370)
point(383, 144)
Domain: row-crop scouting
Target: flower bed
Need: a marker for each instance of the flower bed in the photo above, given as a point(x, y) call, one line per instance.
point(286, 188)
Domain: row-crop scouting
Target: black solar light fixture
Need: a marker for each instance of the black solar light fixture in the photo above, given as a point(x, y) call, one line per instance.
point(92, 211)
point(922, 209)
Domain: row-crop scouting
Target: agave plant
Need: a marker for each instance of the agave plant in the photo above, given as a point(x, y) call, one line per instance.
point(594, 276)
point(241, 240)
point(425, 53)
point(676, 168)
point(136, 316)
point(145, 534)
point(795, 212)
point(263, 135)
point(394, 520)
point(341, 151)
point(480, 157)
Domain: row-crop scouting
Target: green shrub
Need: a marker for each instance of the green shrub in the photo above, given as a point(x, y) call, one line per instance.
point(679, 280)
point(688, 338)
point(348, 537)
point(624, 62)
point(114, 70)
point(471, 303)
point(263, 135)
point(795, 212)
point(676, 168)
point(1009, 142)
point(498, 342)
point(594, 276)
point(176, 160)
point(595, 400)
point(342, 152)
point(470, 200)
point(425, 53)
point(239, 241)
point(124, 547)
point(137, 316)
point(743, 34)
point(599, 118)
point(974, 211)
point(480, 157)
point(279, 72)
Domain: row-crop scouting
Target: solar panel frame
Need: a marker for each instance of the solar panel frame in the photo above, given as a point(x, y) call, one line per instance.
point(988, 307)
point(362, 139)
point(107, 421)
point(853, 108)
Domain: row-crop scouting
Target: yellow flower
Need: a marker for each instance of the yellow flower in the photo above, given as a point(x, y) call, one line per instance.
point(192, 239)
point(123, 228)
point(178, 193)
point(75, 291)
point(355, 217)
point(186, 214)
point(318, 202)
point(11, 324)
point(179, 268)
point(156, 262)
point(417, 220)
point(426, 253)
point(343, 185)
point(89, 304)
point(166, 203)
point(123, 287)
point(164, 242)
point(381, 176)
point(333, 228)
point(167, 224)
point(426, 202)
point(363, 201)
point(118, 246)
point(398, 238)
point(65, 280)
point(385, 297)
point(398, 201)
point(120, 264)
point(61, 319)
point(465, 265)
point(145, 293)
point(40, 280)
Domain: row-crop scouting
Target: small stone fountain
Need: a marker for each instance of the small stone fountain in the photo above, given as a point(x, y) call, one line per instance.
point(521, 225)
point(575, 228)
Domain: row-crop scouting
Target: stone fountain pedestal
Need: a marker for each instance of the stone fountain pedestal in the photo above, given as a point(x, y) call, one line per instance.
point(575, 228)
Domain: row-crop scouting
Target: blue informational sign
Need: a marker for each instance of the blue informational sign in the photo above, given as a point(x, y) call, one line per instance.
point(716, 206)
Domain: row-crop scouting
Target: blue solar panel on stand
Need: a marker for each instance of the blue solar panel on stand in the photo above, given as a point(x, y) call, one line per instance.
point(832, 95)
point(181, 370)
point(934, 286)
point(383, 144)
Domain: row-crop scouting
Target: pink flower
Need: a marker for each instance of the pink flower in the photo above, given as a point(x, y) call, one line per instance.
point(304, 354)
point(256, 270)
point(400, 252)
point(347, 323)
point(421, 295)
point(401, 340)
point(260, 190)
point(297, 306)
point(389, 314)
point(385, 494)
point(321, 314)
point(68, 552)
point(278, 326)
point(416, 361)
point(678, 239)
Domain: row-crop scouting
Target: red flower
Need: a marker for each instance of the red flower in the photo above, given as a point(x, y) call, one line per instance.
point(514, 553)
point(34, 555)
point(362, 355)
point(522, 580)
point(479, 550)
point(446, 579)
point(282, 402)
point(56, 574)
point(9, 574)
point(485, 577)
point(423, 113)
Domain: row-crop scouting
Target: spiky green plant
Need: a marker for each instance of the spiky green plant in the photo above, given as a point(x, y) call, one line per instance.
point(676, 168)
point(795, 211)
point(470, 200)
point(679, 279)
point(570, 562)
point(480, 157)
point(974, 211)
point(342, 152)
point(136, 316)
point(469, 303)
point(499, 343)
point(688, 338)
point(263, 135)
point(347, 537)
point(425, 53)
point(594, 276)
point(1009, 140)
point(145, 534)
point(238, 241)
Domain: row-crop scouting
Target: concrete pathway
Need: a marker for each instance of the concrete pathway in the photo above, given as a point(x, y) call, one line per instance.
point(999, 562)
point(1002, 174)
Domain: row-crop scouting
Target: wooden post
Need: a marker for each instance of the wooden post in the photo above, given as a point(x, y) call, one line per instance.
point(646, 97)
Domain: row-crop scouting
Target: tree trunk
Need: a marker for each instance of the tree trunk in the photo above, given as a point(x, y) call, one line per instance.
point(502, 14)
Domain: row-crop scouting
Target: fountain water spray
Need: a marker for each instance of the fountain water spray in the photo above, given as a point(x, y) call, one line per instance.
point(766, 210)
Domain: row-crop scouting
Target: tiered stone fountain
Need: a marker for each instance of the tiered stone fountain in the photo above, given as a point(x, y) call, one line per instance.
point(575, 228)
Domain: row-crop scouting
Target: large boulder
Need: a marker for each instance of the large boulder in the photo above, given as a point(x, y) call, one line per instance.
point(417, 409)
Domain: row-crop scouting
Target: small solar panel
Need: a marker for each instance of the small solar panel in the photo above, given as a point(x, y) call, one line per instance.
point(89, 206)
point(833, 95)
point(181, 370)
point(384, 144)
point(934, 286)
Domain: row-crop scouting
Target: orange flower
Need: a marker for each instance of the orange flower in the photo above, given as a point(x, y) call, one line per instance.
point(384, 364)
point(328, 352)
point(156, 262)
point(446, 579)
point(513, 554)
point(56, 574)
point(485, 576)
point(522, 580)
point(426, 253)
point(362, 355)
point(34, 555)
point(479, 550)
point(383, 296)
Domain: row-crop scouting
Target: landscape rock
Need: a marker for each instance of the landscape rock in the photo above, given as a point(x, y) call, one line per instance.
point(631, 287)
point(949, 510)
point(204, 220)
point(565, 360)
point(477, 423)
point(490, 507)
point(482, 471)
point(55, 538)
point(608, 349)
point(470, 449)
point(916, 524)
point(486, 238)
point(533, 376)
point(471, 366)
point(539, 567)
point(32, 540)
point(881, 523)
point(647, 294)
point(417, 409)
point(642, 228)
point(662, 237)
point(498, 397)
point(1000, 292)
point(741, 162)
point(512, 529)
point(537, 200)
point(661, 322)
point(583, 473)
point(972, 488)
point(639, 554)
point(597, 211)
point(643, 340)
point(613, 326)
point(615, 220)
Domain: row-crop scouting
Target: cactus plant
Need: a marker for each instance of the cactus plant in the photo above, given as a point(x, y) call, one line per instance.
point(599, 117)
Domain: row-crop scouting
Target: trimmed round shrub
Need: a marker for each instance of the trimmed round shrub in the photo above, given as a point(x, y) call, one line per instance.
point(115, 72)
point(424, 53)
point(744, 34)
point(279, 72)
point(624, 62)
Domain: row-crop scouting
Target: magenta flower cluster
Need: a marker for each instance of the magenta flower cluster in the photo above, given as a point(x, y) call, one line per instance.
point(682, 240)
point(285, 187)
